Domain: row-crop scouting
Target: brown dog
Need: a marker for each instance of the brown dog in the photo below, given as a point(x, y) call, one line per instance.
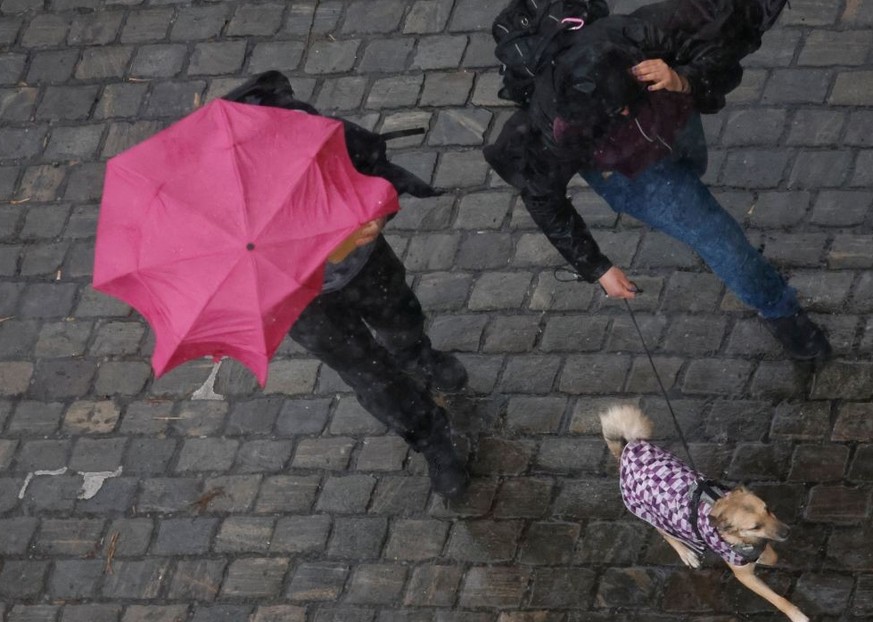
point(691, 513)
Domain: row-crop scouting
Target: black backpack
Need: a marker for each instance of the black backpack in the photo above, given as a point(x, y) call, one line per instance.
point(526, 33)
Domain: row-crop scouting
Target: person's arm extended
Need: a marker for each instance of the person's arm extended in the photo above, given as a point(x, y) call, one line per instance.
point(567, 231)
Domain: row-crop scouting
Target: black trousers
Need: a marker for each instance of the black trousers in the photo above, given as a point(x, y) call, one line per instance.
point(368, 331)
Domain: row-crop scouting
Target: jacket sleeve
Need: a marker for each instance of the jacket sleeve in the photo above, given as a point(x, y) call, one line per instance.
point(703, 41)
point(567, 231)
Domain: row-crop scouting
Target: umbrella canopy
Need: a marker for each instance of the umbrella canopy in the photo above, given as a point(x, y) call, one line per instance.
point(217, 229)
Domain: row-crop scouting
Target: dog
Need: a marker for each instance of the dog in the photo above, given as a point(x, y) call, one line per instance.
point(691, 513)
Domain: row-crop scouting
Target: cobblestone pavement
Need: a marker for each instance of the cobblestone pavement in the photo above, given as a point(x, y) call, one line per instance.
point(127, 499)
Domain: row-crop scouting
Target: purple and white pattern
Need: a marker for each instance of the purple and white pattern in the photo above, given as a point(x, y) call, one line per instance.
point(656, 486)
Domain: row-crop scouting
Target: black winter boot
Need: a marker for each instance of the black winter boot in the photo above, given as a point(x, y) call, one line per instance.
point(800, 336)
point(448, 476)
point(442, 371)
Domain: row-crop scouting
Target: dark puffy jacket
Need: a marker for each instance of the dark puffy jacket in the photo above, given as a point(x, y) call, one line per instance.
point(367, 150)
point(589, 81)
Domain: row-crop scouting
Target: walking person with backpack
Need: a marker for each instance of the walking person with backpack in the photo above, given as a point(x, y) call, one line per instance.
point(617, 98)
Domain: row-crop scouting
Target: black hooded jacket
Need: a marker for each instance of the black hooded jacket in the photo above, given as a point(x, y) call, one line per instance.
point(589, 81)
point(367, 150)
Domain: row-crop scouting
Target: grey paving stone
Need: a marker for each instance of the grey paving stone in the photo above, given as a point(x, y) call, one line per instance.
point(480, 53)
point(758, 126)
point(426, 16)
point(17, 338)
point(199, 22)
point(523, 498)
point(302, 417)
point(254, 578)
point(819, 169)
point(207, 454)
point(261, 456)
point(446, 89)
point(439, 52)
point(135, 579)
point(255, 20)
point(323, 453)
point(301, 534)
point(222, 613)
point(197, 579)
point(213, 58)
point(184, 536)
point(155, 613)
point(279, 613)
point(345, 495)
point(91, 613)
point(317, 581)
point(400, 495)
point(754, 168)
point(469, 15)
point(172, 99)
point(494, 586)
point(280, 55)
point(103, 62)
point(33, 613)
point(386, 55)
point(166, 495)
point(326, 57)
point(499, 456)
point(381, 453)
point(565, 455)
point(159, 60)
point(22, 579)
point(244, 534)
point(287, 493)
point(549, 543)
point(433, 586)
point(375, 584)
point(357, 538)
point(147, 25)
point(460, 169)
point(344, 93)
point(75, 579)
point(852, 88)
point(375, 16)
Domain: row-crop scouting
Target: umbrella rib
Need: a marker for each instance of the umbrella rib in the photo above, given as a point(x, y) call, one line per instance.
point(211, 297)
point(292, 188)
point(235, 163)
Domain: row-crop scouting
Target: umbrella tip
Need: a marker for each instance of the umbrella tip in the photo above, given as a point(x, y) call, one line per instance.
point(250, 246)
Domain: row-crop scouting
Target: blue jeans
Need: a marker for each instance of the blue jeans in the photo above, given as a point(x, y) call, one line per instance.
point(670, 197)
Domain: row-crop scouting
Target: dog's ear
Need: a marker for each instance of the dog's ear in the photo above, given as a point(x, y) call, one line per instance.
point(719, 520)
point(722, 524)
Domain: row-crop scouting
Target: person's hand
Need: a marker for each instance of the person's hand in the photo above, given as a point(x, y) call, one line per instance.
point(616, 284)
point(364, 234)
point(660, 76)
point(369, 232)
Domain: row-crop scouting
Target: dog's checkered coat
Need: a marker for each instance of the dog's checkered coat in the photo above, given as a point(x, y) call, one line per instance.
point(656, 486)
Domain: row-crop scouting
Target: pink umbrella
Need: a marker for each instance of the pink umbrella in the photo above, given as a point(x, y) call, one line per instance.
point(217, 229)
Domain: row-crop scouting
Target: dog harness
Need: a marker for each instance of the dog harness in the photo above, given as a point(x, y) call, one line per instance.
point(659, 488)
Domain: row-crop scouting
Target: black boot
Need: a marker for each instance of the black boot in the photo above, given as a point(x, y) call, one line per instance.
point(800, 336)
point(441, 371)
point(448, 477)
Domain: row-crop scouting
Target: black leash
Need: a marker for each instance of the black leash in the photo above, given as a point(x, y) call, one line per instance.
point(661, 384)
point(575, 276)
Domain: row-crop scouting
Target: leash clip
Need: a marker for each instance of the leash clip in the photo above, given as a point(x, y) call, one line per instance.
point(578, 21)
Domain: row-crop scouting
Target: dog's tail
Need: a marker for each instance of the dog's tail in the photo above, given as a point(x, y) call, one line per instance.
point(622, 424)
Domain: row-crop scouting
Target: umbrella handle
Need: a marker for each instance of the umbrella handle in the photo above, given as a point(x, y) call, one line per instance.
point(402, 133)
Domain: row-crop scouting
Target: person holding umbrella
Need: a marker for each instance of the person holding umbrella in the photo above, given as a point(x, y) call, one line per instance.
point(239, 222)
point(366, 323)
